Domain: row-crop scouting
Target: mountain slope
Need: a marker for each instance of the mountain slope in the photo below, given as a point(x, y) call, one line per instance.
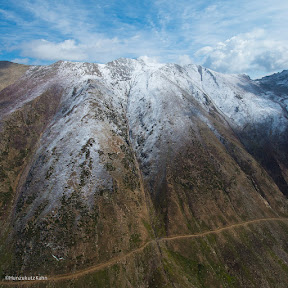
point(10, 72)
point(97, 160)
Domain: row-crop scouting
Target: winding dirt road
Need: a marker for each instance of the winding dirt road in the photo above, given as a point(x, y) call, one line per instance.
point(118, 259)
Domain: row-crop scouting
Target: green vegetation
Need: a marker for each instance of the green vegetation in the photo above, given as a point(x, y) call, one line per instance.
point(135, 240)
point(148, 228)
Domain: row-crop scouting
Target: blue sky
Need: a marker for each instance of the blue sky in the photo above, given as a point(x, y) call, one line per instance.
point(244, 36)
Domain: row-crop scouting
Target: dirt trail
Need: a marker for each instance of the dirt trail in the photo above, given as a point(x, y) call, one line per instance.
point(219, 230)
point(118, 259)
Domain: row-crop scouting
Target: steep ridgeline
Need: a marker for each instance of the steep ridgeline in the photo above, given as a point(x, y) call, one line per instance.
point(101, 162)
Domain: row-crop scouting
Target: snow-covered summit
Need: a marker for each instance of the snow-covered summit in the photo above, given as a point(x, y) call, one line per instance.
point(237, 98)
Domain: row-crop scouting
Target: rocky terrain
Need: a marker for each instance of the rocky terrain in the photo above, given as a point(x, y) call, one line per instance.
point(113, 175)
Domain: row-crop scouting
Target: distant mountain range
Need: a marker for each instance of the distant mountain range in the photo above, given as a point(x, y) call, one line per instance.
point(112, 174)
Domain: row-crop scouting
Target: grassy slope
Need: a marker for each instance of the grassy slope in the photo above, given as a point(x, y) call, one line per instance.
point(10, 72)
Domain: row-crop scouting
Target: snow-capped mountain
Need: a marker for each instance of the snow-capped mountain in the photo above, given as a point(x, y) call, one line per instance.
point(99, 158)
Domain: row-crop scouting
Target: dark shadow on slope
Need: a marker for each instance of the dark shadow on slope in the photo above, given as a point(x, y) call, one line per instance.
point(269, 151)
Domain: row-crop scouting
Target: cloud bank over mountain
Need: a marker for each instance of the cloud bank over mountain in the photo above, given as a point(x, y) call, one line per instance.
point(245, 53)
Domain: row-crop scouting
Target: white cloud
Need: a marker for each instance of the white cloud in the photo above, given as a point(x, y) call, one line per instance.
point(246, 53)
point(46, 50)
point(20, 60)
point(149, 60)
point(184, 59)
point(93, 49)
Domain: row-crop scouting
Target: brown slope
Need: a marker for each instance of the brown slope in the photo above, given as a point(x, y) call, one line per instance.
point(10, 73)
point(20, 133)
